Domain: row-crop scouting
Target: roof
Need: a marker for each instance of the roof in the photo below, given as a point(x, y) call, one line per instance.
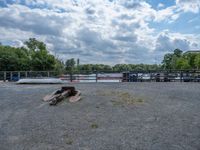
point(193, 51)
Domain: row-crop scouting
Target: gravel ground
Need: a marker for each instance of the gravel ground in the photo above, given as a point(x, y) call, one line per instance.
point(110, 116)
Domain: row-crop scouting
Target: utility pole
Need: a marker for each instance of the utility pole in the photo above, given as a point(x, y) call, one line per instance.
point(78, 61)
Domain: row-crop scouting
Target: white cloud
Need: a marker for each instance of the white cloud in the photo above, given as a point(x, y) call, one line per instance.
point(96, 31)
point(188, 5)
point(160, 5)
point(167, 41)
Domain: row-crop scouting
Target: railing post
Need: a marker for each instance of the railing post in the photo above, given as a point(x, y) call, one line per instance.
point(48, 74)
point(19, 75)
point(137, 77)
point(96, 77)
point(181, 76)
point(26, 74)
point(71, 77)
point(11, 76)
point(4, 76)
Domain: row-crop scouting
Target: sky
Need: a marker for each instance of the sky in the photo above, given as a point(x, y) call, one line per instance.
point(103, 31)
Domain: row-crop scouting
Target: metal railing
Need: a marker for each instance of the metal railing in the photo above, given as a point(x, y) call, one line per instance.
point(126, 76)
point(16, 75)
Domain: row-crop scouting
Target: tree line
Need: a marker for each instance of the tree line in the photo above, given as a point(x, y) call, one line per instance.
point(181, 61)
point(71, 65)
point(34, 56)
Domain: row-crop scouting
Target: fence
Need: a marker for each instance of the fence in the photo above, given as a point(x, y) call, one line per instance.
point(105, 76)
point(16, 75)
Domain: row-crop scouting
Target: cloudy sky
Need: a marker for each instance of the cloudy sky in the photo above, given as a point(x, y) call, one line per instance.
point(103, 31)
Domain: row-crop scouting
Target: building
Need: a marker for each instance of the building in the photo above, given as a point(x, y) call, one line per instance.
point(193, 52)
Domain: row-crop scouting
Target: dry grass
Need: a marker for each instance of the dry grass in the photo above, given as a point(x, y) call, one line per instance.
point(69, 141)
point(121, 98)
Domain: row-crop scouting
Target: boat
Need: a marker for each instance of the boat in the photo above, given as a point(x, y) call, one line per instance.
point(40, 81)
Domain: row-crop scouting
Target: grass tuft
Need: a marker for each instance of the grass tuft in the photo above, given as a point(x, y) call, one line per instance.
point(94, 126)
point(69, 141)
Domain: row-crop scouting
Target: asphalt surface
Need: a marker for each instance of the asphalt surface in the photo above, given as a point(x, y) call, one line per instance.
point(110, 116)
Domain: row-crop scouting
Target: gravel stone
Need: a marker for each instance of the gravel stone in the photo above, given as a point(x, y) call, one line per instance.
point(168, 117)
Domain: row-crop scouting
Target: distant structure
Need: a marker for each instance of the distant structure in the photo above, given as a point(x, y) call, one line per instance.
point(78, 62)
point(192, 52)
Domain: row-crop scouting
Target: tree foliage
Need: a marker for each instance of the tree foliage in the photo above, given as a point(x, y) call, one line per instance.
point(179, 60)
point(197, 61)
point(182, 63)
point(70, 64)
point(33, 56)
point(117, 67)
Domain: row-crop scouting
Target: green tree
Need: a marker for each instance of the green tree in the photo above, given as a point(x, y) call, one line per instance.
point(8, 59)
point(182, 63)
point(178, 52)
point(35, 45)
point(197, 61)
point(167, 61)
point(191, 59)
point(40, 57)
point(41, 60)
point(70, 64)
point(33, 56)
point(12, 58)
point(59, 66)
point(174, 61)
point(170, 59)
